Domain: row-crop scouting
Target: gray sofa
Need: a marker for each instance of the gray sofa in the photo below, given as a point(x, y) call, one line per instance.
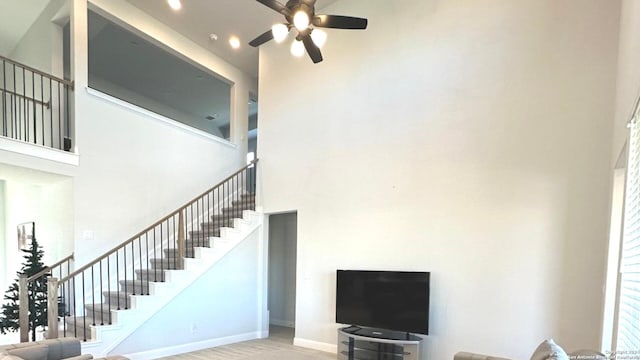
point(547, 350)
point(52, 349)
point(577, 355)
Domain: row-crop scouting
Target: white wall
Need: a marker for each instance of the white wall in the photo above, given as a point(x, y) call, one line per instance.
point(57, 213)
point(628, 79)
point(135, 169)
point(41, 41)
point(29, 196)
point(3, 240)
point(133, 97)
point(282, 269)
point(469, 139)
point(224, 302)
point(627, 92)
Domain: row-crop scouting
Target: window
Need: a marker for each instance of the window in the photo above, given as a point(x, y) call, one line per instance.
point(135, 69)
point(627, 332)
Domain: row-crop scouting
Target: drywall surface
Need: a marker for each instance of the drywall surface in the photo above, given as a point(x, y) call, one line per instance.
point(628, 81)
point(133, 168)
point(41, 41)
point(224, 302)
point(140, 100)
point(469, 139)
point(282, 269)
point(28, 196)
point(3, 239)
point(136, 168)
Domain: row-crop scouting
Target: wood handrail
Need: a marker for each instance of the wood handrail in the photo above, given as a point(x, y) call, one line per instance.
point(46, 104)
point(125, 243)
point(36, 71)
point(49, 268)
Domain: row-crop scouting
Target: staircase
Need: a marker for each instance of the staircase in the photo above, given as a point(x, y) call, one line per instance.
point(108, 299)
point(116, 302)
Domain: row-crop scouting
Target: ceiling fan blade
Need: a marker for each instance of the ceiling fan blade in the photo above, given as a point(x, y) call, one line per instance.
point(266, 36)
point(312, 49)
point(273, 4)
point(340, 22)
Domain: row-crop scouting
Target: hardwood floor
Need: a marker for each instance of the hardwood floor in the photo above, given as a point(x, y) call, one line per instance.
point(279, 346)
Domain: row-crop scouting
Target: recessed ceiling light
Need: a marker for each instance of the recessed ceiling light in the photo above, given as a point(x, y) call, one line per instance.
point(234, 42)
point(175, 4)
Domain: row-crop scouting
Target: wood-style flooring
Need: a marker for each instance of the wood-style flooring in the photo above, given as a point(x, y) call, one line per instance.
point(278, 346)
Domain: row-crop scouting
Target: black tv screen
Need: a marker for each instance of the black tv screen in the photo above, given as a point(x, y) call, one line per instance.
point(390, 300)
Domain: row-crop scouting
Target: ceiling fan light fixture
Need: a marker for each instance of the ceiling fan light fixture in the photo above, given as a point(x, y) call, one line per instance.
point(319, 37)
point(301, 20)
point(297, 48)
point(279, 32)
point(175, 4)
point(234, 41)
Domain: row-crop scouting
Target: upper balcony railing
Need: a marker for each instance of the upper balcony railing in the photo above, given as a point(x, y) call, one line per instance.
point(34, 106)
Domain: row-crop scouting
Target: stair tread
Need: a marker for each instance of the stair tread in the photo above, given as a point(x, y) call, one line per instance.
point(80, 322)
point(119, 298)
point(75, 327)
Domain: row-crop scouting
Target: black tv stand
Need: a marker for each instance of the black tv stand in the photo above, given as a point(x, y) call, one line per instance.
point(357, 343)
point(380, 333)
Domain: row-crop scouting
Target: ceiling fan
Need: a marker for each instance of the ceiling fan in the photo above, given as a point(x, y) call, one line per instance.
point(301, 15)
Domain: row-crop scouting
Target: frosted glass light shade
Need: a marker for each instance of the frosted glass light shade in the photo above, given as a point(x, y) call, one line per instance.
point(175, 4)
point(301, 20)
point(319, 37)
point(234, 42)
point(279, 32)
point(297, 48)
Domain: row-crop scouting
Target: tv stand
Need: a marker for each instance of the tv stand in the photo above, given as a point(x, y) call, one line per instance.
point(356, 343)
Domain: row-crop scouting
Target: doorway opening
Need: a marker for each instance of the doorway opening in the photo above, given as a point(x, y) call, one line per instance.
point(252, 132)
point(283, 229)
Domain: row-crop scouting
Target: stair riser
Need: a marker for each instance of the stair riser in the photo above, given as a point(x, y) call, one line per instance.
point(101, 318)
point(220, 222)
point(136, 288)
point(212, 227)
point(123, 305)
point(172, 253)
point(151, 275)
point(125, 301)
point(164, 264)
point(232, 211)
point(76, 332)
point(204, 234)
point(226, 217)
point(191, 243)
point(243, 204)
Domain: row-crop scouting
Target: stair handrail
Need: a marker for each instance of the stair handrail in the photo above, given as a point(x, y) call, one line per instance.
point(221, 196)
point(23, 293)
point(69, 83)
point(127, 242)
point(49, 268)
point(46, 104)
point(35, 106)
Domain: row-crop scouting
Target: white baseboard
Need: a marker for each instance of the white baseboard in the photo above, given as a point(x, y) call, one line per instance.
point(316, 345)
point(279, 322)
point(194, 346)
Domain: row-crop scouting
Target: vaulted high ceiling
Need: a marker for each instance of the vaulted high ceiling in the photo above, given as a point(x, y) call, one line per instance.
point(198, 19)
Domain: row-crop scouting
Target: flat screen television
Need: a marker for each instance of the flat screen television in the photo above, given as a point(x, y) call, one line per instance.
point(390, 300)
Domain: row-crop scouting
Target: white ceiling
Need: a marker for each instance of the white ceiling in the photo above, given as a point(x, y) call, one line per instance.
point(197, 19)
point(15, 19)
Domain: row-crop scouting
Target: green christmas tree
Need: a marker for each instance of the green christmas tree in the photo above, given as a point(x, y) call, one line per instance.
point(37, 290)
